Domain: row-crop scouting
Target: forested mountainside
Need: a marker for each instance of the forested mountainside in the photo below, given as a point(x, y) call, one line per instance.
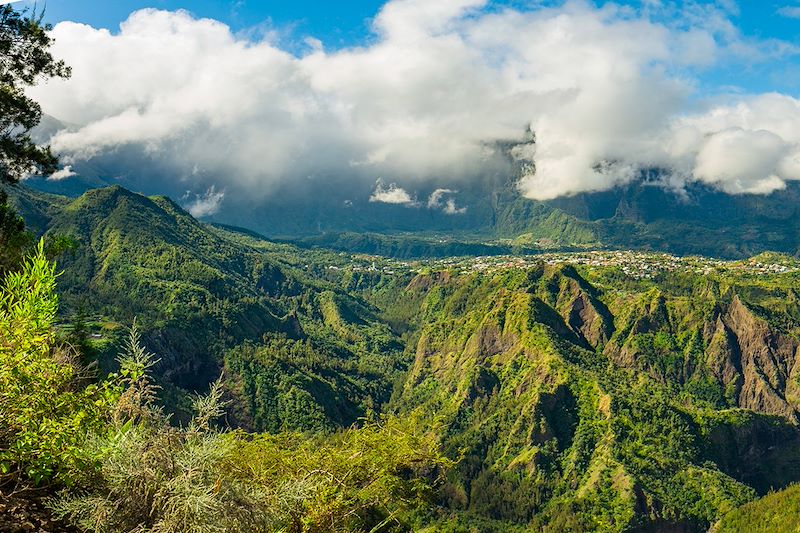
point(198, 292)
point(553, 396)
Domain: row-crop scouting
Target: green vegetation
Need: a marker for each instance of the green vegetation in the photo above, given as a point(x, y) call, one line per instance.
point(44, 413)
point(532, 222)
point(122, 466)
point(208, 299)
point(301, 390)
point(359, 394)
point(406, 246)
point(580, 405)
point(13, 237)
point(24, 60)
point(777, 512)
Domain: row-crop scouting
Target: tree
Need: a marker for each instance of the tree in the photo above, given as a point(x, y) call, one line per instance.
point(46, 412)
point(79, 337)
point(14, 240)
point(25, 59)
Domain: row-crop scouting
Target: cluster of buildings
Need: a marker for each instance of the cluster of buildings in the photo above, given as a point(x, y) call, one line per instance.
point(637, 265)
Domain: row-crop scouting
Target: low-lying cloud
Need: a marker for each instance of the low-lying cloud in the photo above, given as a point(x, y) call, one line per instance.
point(606, 90)
point(443, 199)
point(391, 195)
point(206, 204)
point(62, 174)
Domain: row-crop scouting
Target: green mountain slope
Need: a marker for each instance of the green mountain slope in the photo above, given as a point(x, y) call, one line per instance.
point(581, 405)
point(777, 512)
point(212, 301)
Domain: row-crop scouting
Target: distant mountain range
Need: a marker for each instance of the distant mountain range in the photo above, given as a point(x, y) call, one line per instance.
point(641, 215)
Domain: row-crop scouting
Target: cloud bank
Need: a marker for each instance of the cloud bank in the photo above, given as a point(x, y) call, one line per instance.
point(62, 174)
point(607, 91)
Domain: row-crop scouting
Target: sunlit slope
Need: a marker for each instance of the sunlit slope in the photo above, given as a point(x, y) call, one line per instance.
point(777, 512)
point(297, 352)
point(578, 405)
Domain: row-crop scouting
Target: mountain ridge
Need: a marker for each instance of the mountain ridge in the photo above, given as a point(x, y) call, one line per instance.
point(640, 215)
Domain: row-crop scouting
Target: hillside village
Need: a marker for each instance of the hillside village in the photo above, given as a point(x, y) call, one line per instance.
point(635, 264)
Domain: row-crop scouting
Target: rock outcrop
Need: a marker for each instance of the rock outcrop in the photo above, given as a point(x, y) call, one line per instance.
point(747, 354)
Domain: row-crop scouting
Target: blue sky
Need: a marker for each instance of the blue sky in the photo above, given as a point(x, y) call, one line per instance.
point(347, 23)
point(335, 23)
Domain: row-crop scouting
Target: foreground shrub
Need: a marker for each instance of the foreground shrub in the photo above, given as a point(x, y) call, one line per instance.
point(158, 478)
point(46, 410)
point(369, 479)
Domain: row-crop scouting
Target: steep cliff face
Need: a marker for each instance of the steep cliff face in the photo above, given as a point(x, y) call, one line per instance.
point(752, 363)
point(713, 341)
point(723, 356)
point(766, 361)
point(578, 303)
point(566, 400)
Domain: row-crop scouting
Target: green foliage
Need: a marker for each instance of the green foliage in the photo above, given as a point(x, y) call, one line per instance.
point(24, 60)
point(328, 379)
point(14, 240)
point(153, 477)
point(778, 512)
point(45, 411)
point(158, 478)
point(374, 478)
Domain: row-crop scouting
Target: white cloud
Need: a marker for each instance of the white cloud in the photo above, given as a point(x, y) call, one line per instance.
point(442, 199)
point(742, 160)
point(62, 174)
point(451, 209)
point(206, 204)
point(435, 199)
point(751, 145)
point(607, 91)
point(391, 195)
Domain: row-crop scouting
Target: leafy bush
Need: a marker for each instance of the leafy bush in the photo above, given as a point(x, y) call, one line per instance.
point(45, 411)
point(374, 478)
